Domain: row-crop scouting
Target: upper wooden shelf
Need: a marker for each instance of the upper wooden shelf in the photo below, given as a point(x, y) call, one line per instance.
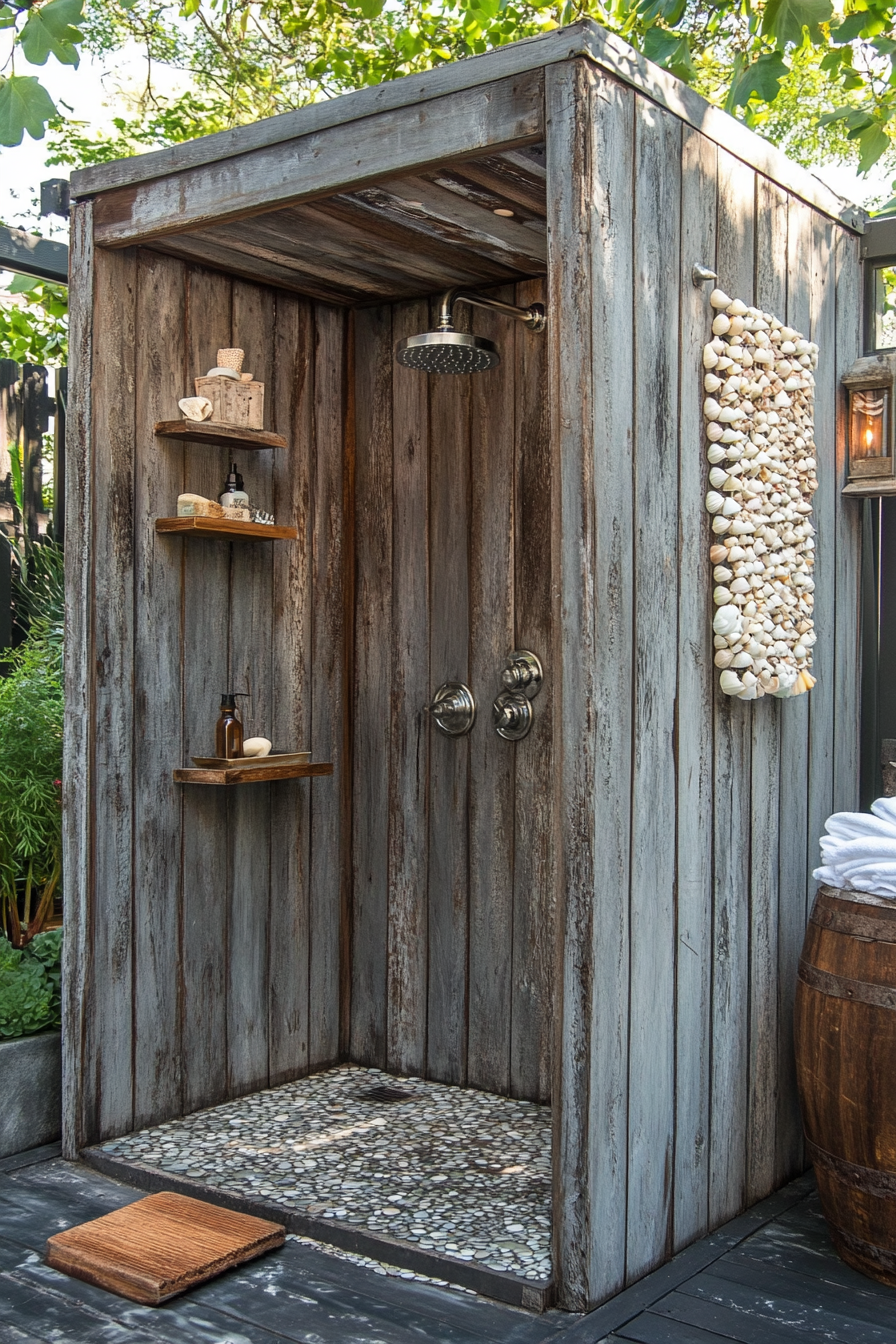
point(226, 527)
point(253, 774)
point(216, 431)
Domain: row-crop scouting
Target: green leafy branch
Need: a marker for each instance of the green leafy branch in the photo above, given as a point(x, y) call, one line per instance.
point(41, 29)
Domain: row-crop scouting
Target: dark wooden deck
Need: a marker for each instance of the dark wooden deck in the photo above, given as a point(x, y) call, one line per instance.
point(769, 1277)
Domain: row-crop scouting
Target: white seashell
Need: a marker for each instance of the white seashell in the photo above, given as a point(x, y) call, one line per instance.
point(741, 660)
point(710, 357)
point(721, 596)
point(196, 408)
point(800, 652)
point(782, 399)
point(740, 586)
point(723, 658)
point(730, 508)
point(715, 453)
point(728, 415)
point(256, 746)
point(737, 309)
point(720, 524)
point(714, 431)
point(714, 502)
point(722, 573)
point(726, 621)
point(737, 325)
point(732, 436)
point(719, 299)
point(711, 383)
point(711, 409)
point(717, 478)
point(721, 324)
point(787, 346)
point(730, 682)
point(792, 384)
point(719, 642)
point(717, 553)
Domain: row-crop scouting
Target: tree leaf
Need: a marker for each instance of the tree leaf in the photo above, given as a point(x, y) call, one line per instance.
point(873, 143)
point(854, 25)
point(50, 31)
point(784, 20)
point(25, 105)
point(762, 78)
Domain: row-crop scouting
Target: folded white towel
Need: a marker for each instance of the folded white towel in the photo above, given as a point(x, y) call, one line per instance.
point(859, 850)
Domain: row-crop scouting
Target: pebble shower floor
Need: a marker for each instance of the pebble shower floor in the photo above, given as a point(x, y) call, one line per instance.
point(453, 1170)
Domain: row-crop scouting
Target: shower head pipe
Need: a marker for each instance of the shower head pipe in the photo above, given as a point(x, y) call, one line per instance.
point(534, 317)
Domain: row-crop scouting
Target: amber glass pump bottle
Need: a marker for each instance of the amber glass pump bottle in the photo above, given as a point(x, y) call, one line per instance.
point(228, 730)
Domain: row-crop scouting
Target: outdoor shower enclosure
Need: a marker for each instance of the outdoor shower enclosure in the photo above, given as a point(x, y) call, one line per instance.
point(606, 915)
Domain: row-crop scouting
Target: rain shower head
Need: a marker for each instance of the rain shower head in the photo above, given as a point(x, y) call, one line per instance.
point(450, 351)
point(447, 352)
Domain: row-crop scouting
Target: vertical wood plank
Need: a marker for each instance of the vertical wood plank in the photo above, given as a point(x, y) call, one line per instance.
point(534, 894)
point(569, 113)
point(78, 1079)
point(449, 840)
point(249, 810)
point(731, 833)
point(292, 399)
point(206, 673)
point(823, 327)
point(409, 736)
point(657, 240)
point(607, 705)
point(109, 1053)
point(491, 808)
point(330, 797)
point(771, 296)
point(847, 652)
point(158, 660)
point(793, 816)
point(372, 678)
point(696, 675)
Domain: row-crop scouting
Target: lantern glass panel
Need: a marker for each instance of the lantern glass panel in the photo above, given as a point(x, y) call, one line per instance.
point(869, 430)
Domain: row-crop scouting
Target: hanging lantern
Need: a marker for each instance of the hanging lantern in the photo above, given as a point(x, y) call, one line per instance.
point(869, 386)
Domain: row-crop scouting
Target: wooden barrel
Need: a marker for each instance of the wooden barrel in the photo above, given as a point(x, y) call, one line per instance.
point(845, 1036)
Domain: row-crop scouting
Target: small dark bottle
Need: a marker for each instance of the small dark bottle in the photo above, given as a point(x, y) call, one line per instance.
point(228, 731)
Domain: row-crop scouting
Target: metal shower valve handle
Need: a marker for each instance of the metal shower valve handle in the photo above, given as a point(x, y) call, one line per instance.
point(512, 715)
point(523, 672)
point(453, 709)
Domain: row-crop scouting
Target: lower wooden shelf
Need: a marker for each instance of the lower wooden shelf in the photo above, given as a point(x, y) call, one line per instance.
point(226, 527)
point(253, 774)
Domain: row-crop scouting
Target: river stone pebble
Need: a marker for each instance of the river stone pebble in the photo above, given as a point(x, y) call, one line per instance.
point(463, 1172)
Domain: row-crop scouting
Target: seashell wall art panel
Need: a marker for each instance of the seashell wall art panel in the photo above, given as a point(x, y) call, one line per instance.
point(759, 417)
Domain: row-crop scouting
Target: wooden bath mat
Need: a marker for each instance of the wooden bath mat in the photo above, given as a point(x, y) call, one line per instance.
point(160, 1246)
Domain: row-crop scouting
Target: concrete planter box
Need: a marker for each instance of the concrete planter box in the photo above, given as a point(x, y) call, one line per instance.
point(30, 1091)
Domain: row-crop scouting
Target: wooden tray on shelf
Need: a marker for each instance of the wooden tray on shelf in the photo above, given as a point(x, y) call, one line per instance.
point(254, 774)
point(237, 762)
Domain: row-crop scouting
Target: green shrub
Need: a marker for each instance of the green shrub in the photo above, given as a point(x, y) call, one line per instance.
point(30, 983)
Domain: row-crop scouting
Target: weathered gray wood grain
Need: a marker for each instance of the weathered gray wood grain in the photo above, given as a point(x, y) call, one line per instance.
point(792, 849)
point(246, 263)
point(492, 760)
point(291, 403)
point(109, 1026)
point(158, 669)
point(77, 778)
point(506, 114)
point(731, 825)
point(449, 660)
point(585, 38)
point(651, 1127)
point(607, 829)
point(847, 654)
point(371, 682)
point(409, 735)
point(249, 809)
point(534, 894)
point(206, 673)
point(330, 798)
point(765, 764)
point(569, 112)
point(696, 692)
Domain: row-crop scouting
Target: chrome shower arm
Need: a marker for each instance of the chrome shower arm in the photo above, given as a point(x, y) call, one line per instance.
point(534, 316)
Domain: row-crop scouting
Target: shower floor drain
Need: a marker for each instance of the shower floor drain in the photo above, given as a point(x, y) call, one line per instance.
point(386, 1096)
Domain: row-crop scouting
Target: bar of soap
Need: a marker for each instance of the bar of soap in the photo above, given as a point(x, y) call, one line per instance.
point(197, 506)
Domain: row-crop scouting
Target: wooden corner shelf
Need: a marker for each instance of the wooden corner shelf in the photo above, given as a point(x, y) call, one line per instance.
point(253, 774)
point(218, 431)
point(226, 527)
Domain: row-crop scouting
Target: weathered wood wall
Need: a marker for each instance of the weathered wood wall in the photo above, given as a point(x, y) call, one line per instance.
point(452, 931)
point(688, 822)
point(207, 928)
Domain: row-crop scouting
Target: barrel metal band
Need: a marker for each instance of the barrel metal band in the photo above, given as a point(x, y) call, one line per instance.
point(885, 1260)
point(841, 987)
point(869, 1180)
point(853, 922)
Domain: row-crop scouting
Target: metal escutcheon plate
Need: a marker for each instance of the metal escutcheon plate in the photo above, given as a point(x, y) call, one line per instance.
point(453, 709)
point(512, 715)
